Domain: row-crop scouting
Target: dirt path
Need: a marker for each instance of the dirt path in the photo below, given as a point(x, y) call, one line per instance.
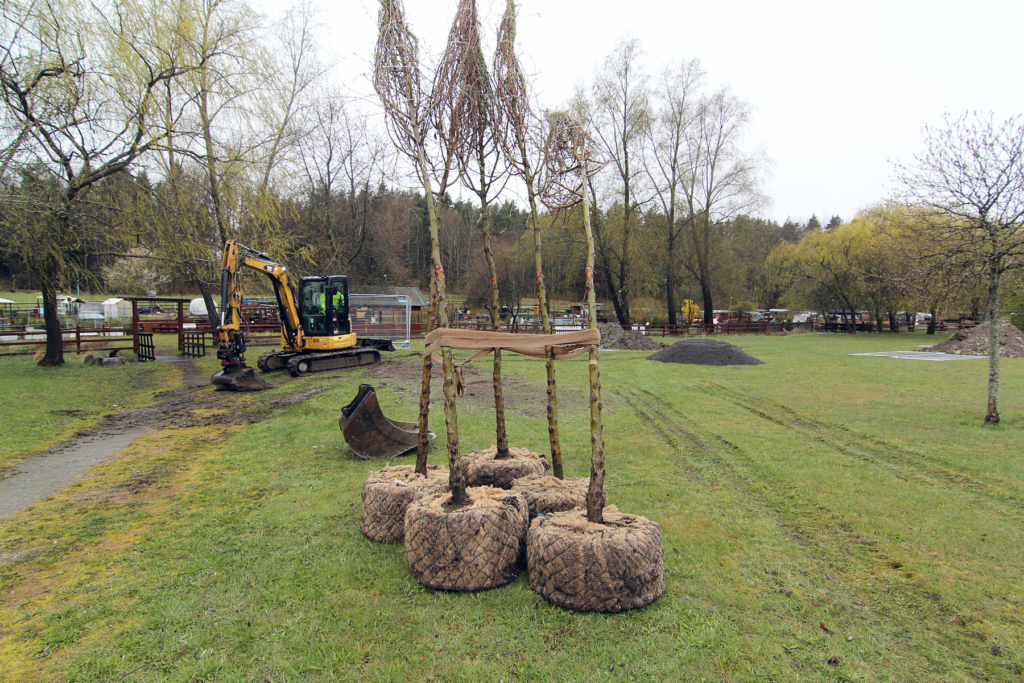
point(194, 404)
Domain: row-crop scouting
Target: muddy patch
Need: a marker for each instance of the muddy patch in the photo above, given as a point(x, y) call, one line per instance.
point(196, 404)
point(412, 370)
point(528, 400)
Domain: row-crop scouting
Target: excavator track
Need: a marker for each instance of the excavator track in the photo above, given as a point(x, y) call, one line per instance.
point(304, 364)
point(274, 360)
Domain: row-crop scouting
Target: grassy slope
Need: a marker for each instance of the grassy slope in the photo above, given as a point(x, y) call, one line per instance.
point(858, 493)
point(43, 406)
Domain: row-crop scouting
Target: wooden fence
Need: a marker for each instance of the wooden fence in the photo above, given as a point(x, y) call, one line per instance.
point(25, 341)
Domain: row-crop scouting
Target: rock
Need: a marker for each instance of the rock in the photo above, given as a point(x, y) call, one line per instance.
point(111, 361)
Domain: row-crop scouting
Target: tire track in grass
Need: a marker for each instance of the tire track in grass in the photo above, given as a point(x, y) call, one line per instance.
point(899, 461)
point(854, 561)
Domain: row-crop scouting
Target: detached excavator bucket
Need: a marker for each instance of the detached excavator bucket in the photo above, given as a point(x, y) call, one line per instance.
point(370, 434)
point(239, 378)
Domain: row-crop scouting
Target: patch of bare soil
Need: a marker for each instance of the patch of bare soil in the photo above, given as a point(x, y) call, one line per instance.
point(614, 337)
point(974, 342)
point(412, 370)
point(529, 400)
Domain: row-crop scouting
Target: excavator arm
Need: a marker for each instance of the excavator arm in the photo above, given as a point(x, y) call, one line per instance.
point(235, 374)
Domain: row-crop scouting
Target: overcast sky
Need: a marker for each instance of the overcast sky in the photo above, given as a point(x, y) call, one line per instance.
point(839, 89)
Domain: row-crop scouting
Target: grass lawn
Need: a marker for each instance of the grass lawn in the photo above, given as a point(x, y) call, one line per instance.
point(825, 517)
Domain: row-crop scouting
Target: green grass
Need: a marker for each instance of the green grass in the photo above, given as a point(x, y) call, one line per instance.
point(858, 493)
point(43, 406)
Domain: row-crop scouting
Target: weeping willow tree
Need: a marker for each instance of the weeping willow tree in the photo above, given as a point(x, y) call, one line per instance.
point(522, 143)
point(572, 161)
point(412, 109)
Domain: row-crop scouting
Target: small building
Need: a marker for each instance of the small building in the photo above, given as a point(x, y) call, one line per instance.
point(116, 308)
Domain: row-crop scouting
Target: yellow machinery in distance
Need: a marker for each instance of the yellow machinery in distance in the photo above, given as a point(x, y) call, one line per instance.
point(316, 333)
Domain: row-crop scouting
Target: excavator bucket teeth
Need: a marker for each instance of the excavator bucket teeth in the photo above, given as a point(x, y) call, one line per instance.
point(239, 378)
point(373, 436)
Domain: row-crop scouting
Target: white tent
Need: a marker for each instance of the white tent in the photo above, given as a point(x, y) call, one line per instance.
point(115, 308)
point(198, 307)
point(6, 301)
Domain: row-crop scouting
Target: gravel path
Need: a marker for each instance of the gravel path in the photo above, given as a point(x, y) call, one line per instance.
point(36, 477)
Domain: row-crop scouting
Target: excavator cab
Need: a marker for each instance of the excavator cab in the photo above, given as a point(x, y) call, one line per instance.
point(323, 306)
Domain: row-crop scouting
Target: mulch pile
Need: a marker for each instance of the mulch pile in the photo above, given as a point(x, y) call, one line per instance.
point(705, 352)
point(614, 337)
point(974, 342)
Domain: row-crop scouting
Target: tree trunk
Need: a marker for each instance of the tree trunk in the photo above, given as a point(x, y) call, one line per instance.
point(595, 492)
point(670, 281)
point(894, 324)
point(456, 480)
point(51, 322)
point(992, 415)
point(499, 401)
point(549, 364)
point(709, 305)
point(932, 323)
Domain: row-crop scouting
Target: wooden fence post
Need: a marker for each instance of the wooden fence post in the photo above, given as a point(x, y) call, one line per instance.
point(181, 326)
point(135, 327)
point(78, 338)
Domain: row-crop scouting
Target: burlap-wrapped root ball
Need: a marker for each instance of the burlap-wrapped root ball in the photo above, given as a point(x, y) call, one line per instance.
point(470, 548)
point(388, 492)
point(482, 468)
point(551, 494)
point(589, 567)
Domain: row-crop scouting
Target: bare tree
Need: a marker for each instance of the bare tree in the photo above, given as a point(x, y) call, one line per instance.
point(620, 115)
point(573, 159)
point(965, 194)
point(483, 170)
point(411, 108)
point(667, 152)
point(524, 146)
point(79, 85)
point(721, 180)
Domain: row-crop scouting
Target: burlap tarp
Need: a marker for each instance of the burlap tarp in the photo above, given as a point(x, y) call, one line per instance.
point(475, 547)
point(566, 344)
point(481, 468)
point(551, 494)
point(388, 492)
point(589, 567)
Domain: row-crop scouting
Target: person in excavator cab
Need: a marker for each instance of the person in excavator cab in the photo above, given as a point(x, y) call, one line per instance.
point(339, 304)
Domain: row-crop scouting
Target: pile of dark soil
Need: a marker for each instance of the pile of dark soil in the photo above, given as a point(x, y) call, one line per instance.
point(614, 337)
point(974, 342)
point(705, 352)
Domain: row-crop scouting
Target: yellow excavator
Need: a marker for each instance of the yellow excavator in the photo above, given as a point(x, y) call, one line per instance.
point(315, 329)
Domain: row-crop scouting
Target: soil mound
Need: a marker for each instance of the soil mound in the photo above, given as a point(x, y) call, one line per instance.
point(614, 337)
point(974, 342)
point(705, 352)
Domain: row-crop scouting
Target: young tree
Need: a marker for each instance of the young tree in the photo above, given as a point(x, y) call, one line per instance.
point(80, 87)
point(965, 194)
point(573, 159)
point(523, 145)
point(411, 111)
point(482, 168)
